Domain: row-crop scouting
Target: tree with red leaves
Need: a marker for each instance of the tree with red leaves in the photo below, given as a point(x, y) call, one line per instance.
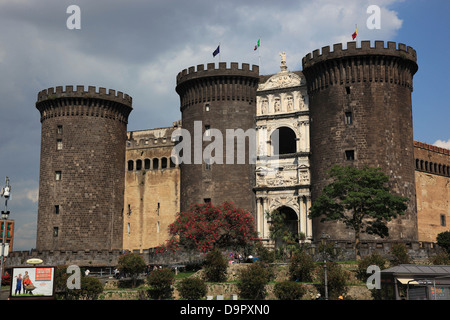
point(205, 227)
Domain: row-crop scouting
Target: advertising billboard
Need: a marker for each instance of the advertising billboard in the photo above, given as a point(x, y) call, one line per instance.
point(33, 283)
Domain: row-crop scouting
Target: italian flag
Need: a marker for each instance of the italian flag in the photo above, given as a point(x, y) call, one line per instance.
point(258, 43)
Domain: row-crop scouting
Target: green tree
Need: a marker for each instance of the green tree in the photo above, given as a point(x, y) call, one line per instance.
point(361, 199)
point(192, 288)
point(374, 259)
point(252, 282)
point(131, 264)
point(400, 254)
point(161, 283)
point(336, 280)
point(289, 290)
point(90, 287)
point(301, 267)
point(443, 241)
point(215, 268)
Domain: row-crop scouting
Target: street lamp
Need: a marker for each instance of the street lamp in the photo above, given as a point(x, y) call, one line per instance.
point(6, 193)
point(323, 240)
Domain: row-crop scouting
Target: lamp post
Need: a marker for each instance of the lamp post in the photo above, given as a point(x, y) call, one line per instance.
point(323, 240)
point(6, 192)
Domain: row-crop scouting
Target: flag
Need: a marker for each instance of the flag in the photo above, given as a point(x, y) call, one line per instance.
point(216, 52)
point(355, 33)
point(258, 43)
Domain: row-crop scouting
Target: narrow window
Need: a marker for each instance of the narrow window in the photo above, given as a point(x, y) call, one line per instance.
point(157, 226)
point(57, 209)
point(59, 144)
point(348, 118)
point(128, 228)
point(138, 164)
point(207, 131)
point(55, 231)
point(155, 164)
point(59, 129)
point(130, 165)
point(347, 89)
point(157, 209)
point(207, 200)
point(207, 107)
point(349, 155)
point(147, 164)
point(443, 222)
point(58, 175)
point(163, 163)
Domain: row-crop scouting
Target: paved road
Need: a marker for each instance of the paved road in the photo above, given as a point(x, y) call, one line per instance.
point(4, 294)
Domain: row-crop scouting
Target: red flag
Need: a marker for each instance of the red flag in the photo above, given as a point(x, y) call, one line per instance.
point(355, 34)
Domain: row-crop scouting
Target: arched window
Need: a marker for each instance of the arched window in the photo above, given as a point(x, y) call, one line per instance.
point(284, 141)
point(130, 165)
point(155, 164)
point(147, 164)
point(163, 163)
point(138, 164)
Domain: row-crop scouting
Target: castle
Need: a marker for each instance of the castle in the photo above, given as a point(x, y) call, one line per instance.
point(103, 188)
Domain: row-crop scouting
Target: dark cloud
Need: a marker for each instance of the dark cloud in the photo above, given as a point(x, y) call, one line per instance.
point(138, 47)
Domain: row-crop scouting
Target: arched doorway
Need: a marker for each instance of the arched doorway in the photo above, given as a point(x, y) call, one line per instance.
point(284, 226)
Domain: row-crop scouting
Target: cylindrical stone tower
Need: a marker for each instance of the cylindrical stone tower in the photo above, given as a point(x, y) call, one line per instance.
point(361, 114)
point(82, 169)
point(217, 103)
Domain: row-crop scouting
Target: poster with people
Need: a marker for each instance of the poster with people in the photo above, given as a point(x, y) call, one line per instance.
point(32, 282)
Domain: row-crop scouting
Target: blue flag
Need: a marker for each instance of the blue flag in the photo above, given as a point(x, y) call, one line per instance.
point(216, 52)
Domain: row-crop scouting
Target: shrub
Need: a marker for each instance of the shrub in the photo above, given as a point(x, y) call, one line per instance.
point(6, 279)
point(443, 241)
point(131, 264)
point(301, 267)
point(160, 282)
point(192, 288)
point(91, 288)
point(289, 290)
point(441, 259)
point(252, 282)
point(374, 259)
point(400, 254)
point(265, 254)
point(336, 280)
point(216, 265)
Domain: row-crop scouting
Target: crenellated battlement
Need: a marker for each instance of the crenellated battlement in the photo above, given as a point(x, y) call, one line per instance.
point(199, 85)
point(399, 50)
point(379, 64)
point(60, 101)
point(222, 70)
point(80, 92)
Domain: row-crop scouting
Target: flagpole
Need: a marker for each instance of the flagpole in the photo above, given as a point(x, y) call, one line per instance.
point(219, 52)
point(259, 55)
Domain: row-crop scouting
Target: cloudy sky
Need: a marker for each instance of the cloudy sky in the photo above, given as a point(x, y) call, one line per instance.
point(138, 47)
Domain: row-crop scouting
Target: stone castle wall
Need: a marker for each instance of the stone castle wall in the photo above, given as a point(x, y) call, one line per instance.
point(81, 183)
point(361, 114)
point(433, 190)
